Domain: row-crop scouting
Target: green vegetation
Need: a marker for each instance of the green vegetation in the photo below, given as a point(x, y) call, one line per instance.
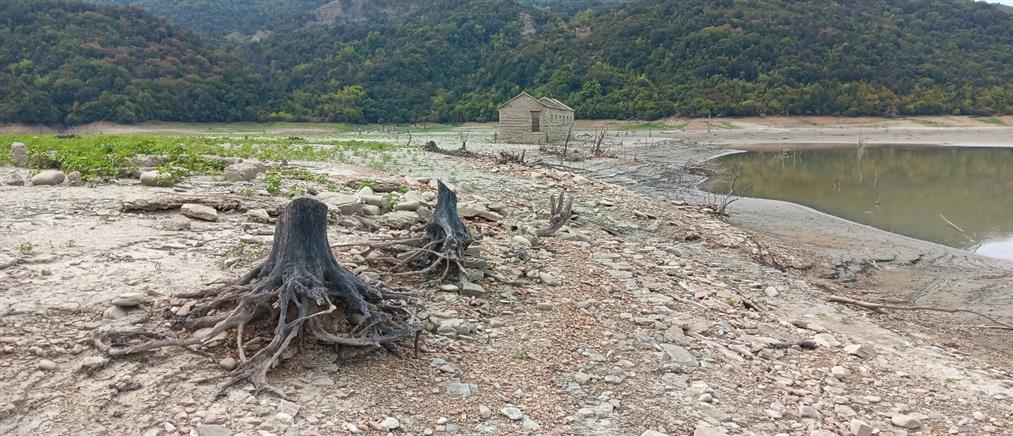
point(451, 61)
point(651, 126)
point(104, 157)
point(992, 120)
point(930, 123)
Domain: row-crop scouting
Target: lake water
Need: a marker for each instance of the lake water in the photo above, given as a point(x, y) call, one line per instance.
point(902, 189)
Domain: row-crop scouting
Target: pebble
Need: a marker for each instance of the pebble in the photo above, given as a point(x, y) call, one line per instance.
point(213, 430)
point(114, 312)
point(47, 365)
point(863, 351)
point(92, 361)
point(840, 372)
point(484, 412)
point(469, 289)
point(228, 363)
point(513, 413)
point(860, 428)
point(176, 224)
point(771, 291)
point(132, 299)
point(549, 279)
point(154, 178)
point(13, 179)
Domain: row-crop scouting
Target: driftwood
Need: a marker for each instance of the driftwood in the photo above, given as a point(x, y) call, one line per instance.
point(299, 291)
point(560, 211)
point(880, 307)
point(460, 152)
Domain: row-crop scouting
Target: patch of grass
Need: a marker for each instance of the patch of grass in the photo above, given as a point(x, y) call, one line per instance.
point(309, 176)
point(25, 248)
point(930, 123)
point(652, 125)
point(993, 121)
point(520, 354)
point(724, 125)
point(272, 182)
point(104, 157)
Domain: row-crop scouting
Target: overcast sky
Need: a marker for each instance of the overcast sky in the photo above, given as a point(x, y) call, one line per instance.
point(1005, 2)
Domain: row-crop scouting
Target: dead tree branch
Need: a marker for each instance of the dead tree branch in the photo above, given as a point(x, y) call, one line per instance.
point(560, 211)
point(879, 307)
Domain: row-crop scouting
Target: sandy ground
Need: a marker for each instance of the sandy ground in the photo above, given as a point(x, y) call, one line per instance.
point(664, 318)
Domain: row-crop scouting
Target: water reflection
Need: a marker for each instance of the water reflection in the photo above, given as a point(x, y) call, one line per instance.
point(908, 190)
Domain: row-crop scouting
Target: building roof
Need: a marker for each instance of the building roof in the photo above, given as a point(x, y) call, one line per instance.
point(544, 101)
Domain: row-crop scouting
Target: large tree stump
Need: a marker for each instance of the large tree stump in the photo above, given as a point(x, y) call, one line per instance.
point(300, 289)
point(442, 249)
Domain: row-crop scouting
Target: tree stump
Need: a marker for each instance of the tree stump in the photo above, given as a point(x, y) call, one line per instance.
point(299, 290)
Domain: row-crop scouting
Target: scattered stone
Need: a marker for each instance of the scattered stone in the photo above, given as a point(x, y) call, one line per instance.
point(399, 220)
point(390, 423)
point(48, 177)
point(905, 421)
point(771, 291)
point(469, 289)
point(243, 171)
point(114, 312)
point(176, 224)
point(132, 299)
point(478, 210)
point(258, 216)
point(530, 425)
point(74, 179)
point(371, 210)
point(47, 365)
point(826, 340)
point(652, 433)
point(228, 363)
point(460, 389)
point(863, 351)
point(213, 430)
point(679, 355)
point(154, 178)
point(13, 179)
point(484, 412)
point(545, 306)
point(604, 410)
point(408, 206)
point(513, 413)
point(19, 154)
point(93, 361)
point(199, 211)
point(549, 279)
point(860, 428)
point(342, 203)
point(581, 378)
point(840, 372)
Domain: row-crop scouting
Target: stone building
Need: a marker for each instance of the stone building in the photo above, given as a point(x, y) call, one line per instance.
point(528, 120)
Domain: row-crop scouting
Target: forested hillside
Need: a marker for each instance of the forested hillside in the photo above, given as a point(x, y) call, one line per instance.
point(455, 60)
point(66, 62)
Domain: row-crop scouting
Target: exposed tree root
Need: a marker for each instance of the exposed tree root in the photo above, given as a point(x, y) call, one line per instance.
point(879, 307)
point(460, 152)
point(560, 212)
point(221, 203)
point(300, 289)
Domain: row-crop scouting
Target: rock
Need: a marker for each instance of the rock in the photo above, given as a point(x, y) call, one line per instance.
point(545, 306)
point(469, 289)
point(213, 430)
point(530, 425)
point(771, 291)
point(522, 241)
point(581, 378)
point(114, 312)
point(840, 372)
point(258, 216)
point(93, 361)
point(390, 423)
point(826, 340)
point(478, 210)
point(513, 413)
point(154, 178)
point(371, 210)
point(13, 179)
point(228, 363)
point(342, 203)
point(176, 224)
point(679, 355)
point(808, 412)
point(861, 350)
point(199, 211)
point(48, 177)
point(484, 412)
point(375, 200)
point(604, 410)
point(74, 179)
point(549, 279)
point(289, 407)
point(19, 154)
point(364, 191)
point(460, 389)
point(408, 206)
point(47, 365)
point(398, 220)
point(905, 421)
point(243, 171)
point(284, 418)
point(132, 299)
point(860, 428)
point(169, 427)
point(652, 433)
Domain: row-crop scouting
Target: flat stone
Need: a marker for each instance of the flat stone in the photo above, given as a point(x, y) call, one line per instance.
point(114, 312)
point(840, 372)
point(176, 224)
point(243, 171)
point(513, 413)
point(13, 179)
point(398, 220)
point(864, 351)
point(390, 423)
point(47, 365)
point(344, 204)
point(199, 211)
point(74, 179)
point(48, 177)
point(679, 355)
point(92, 361)
point(228, 363)
point(213, 430)
point(860, 428)
point(905, 421)
point(581, 378)
point(469, 289)
point(132, 299)
point(371, 210)
point(652, 433)
point(408, 206)
point(258, 216)
point(826, 340)
point(460, 389)
point(375, 200)
point(771, 291)
point(530, 425)
point(549, 279)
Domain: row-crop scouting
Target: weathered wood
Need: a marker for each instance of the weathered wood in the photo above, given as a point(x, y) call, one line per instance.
point(220, 203)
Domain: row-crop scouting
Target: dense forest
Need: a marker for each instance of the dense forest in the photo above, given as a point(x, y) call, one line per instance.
point(455, 60)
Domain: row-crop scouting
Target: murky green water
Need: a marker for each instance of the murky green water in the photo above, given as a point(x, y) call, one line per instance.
point(902, 189)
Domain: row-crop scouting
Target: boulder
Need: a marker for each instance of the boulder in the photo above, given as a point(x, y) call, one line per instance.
point(49, 177)
point(199, 211)
point(19, 155)
point(154, 178)
point(243, 171)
